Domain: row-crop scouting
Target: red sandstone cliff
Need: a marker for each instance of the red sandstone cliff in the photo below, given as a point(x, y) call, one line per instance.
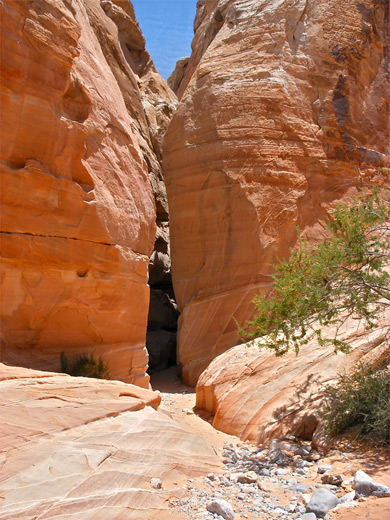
point(284, 110)
point(83, 111)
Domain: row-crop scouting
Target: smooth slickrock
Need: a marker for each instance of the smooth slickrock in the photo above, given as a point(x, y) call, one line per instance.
point(258, 397)
point(83, 112)
point(284, 111)
point(83, 448)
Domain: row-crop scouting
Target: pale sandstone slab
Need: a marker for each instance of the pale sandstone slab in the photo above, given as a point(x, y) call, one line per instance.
point(84, 448)
point(283, 111)
point(258, 396)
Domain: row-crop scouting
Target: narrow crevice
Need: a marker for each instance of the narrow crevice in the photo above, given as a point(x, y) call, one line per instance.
point(163, 311)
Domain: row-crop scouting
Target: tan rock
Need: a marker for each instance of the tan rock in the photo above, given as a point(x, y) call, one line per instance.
point(83, 112)
point(268, 486)
point(259, 397)
point(178, 74)
point(83, 448)
point(284, 110)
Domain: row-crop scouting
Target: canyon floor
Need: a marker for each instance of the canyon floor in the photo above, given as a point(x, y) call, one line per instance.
point(178, 400)
point(75, 447)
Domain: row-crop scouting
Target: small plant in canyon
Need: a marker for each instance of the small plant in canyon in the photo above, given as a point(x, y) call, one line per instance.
point(84, 365)
point(319, 285)
point(360, 400)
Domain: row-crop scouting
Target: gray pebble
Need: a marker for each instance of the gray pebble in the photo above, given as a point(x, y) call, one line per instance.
point(348, 497)
point(321, 501)
point(299, 488)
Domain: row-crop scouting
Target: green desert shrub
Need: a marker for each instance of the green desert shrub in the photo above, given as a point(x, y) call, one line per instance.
point(84, 365)
point(347, 275)
point(360, 400)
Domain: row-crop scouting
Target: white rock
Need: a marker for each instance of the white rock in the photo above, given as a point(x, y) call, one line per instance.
point(224, 481)
point(276, 444)
point(324, 468)
point(365, 486)
point(282, 471)
point(304, 498)
point(222, 508)
point(348, 497)
point(361, 476)
point(345, 505)
point(156, 483)
point(278, 511)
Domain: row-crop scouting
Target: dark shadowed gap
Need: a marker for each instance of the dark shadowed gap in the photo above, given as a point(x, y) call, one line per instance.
point(163, 311)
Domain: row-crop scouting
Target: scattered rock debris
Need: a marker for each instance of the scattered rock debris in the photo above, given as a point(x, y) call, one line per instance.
point(266, 483)
point(286, 481)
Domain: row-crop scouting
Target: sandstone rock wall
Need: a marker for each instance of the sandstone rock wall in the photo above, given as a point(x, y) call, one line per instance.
point(284, 112)
point(175, 79)
point(83, 112)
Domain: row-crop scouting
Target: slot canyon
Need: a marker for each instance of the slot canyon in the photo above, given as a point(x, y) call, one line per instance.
point(139, 219)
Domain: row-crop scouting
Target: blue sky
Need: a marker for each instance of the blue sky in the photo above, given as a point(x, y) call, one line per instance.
point(167, 27)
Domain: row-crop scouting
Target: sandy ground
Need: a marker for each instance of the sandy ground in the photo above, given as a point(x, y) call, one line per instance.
point(178, 400)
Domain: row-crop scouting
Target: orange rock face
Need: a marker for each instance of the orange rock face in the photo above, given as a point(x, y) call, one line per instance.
point(83, 109)
point(258, 397)
point(284, 110)
point(83, 448)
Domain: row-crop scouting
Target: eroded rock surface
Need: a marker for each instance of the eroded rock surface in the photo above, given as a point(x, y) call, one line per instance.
point(284, 112)
point(84, 448)
point(258, 397)
point(83, 114)
point(178, 74)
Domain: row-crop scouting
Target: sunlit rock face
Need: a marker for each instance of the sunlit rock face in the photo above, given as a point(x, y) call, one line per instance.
point(80, 448)
point(83, 113)
point(284, 112)
point(258, 397)
point(175, 79)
